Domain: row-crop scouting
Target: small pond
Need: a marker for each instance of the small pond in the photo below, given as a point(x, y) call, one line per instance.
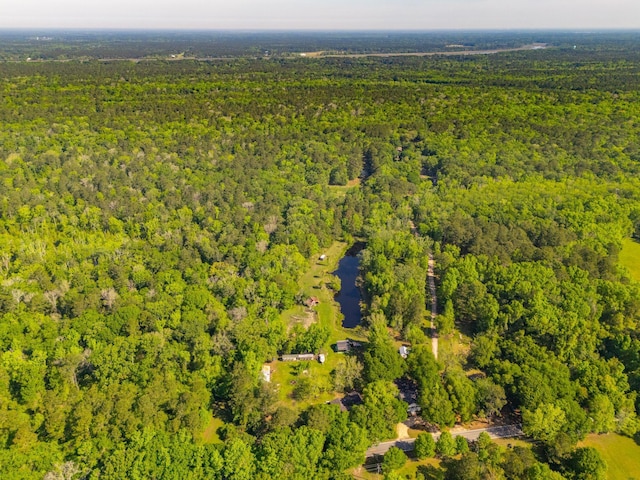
point(349, 296)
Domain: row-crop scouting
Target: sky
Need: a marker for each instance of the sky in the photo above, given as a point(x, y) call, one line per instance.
point(321, 14)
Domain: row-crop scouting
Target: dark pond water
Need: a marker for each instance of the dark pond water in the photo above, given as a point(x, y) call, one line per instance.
point(349, 296)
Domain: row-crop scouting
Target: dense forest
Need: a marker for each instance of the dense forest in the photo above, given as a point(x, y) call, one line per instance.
point(156, 218)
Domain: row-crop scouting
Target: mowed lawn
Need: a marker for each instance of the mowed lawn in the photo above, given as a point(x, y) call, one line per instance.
point(622, 455)
point(210, 433)
point(630, 258)
point(411, 468)
point(315, 282)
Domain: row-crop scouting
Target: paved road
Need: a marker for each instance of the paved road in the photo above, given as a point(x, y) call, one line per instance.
point(434, 306)
point(406, 444)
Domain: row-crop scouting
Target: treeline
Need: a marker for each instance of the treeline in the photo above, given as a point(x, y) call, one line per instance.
point(84, 45)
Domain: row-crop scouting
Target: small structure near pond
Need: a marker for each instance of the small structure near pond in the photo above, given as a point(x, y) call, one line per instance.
point(312, 302)
point(344, 346)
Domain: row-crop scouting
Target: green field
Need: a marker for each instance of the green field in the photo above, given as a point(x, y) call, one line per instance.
point(284, 375)
point(630, 258)
point(622, 455)
point(411, 468)
point(315, 283)
point(210, 433)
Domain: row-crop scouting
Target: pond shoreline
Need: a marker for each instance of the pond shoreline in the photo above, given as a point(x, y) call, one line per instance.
point(349, 296)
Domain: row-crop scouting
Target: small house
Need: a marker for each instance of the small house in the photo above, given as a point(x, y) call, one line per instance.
point(266, 373)
point(289, 358)
point(306, 357)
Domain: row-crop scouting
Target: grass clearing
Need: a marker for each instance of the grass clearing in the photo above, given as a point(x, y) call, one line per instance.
point(455, 345)
point(413, 465)
point(210, 433)
point(622, 455)
point(512, 442)
point(341, 190)
point(630, 258)
point(315, 283)
point(410, 469)
point(286, 375)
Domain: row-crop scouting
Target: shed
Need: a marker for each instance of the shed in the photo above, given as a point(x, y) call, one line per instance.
point(312, 301)
point(348, 401)
point(323, 257)
point(322, 358)
point(338, 401)
point(404, 351)
point(343, 346)
point(289, 358)
point(306, 356)
point(266, 373)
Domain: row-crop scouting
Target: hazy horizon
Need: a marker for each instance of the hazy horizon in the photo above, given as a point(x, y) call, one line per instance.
point(313, 31)
point(329, 15)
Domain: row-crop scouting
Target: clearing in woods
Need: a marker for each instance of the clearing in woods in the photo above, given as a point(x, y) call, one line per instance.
point(315, 283)
point(630, 258)
point(622, 455)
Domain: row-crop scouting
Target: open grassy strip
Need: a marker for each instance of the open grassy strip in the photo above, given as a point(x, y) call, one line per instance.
point(622, 455)
point(454, 345)
point(513, 442)
point(210, 433)
point(630, 258)
point(409, 470)
point(341, 190)
point(314, 283)
point(285, 375)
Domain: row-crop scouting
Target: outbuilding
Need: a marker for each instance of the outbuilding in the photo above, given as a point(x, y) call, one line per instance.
point(312, 302)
